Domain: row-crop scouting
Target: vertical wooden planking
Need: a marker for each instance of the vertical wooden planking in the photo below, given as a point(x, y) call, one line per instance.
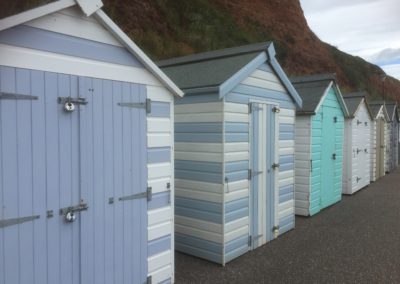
point(39, 177)
point(118, 246)
point(52, 175)
point(86, 218)
point(143, 186)
point(75, 180)
point(127, 186)
point(2, 271)
point(65, 129)
point(10, 178)
point(135, 182)
point(24, 135)
point(98, 183)
point(108, 173)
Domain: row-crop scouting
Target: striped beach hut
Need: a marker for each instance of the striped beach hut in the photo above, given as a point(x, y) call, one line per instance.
point(86, 120)
point(378, 139)
point(393, 127)
point(234, 147)
point(357, 143)
point(319, 143)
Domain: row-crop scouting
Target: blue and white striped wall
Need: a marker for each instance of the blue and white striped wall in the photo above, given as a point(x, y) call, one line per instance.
point(211, 167)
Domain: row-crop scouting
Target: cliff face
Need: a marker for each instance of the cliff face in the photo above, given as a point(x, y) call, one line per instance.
point(169, 28)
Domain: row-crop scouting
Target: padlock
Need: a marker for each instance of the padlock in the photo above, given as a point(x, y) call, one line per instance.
point(70, 217)
point(69, 106)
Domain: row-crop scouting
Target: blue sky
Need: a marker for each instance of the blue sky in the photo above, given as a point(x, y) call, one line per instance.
point(366, 28)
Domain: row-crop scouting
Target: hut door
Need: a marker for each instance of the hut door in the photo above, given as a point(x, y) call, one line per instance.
point(380, 148)
point(329, 156)
point(262, 173)
point(113, 182)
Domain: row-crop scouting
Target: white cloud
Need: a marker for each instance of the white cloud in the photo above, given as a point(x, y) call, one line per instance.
point(366, 28)
point(392, 70)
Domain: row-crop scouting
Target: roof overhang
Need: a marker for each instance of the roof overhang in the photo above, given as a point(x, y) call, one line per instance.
point(89, 8)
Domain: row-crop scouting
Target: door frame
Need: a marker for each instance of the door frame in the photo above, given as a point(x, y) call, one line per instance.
point(273, 186)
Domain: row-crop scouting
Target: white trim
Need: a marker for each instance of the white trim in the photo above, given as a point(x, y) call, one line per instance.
point(26, 16)
point(46, 61)
point(135, 50)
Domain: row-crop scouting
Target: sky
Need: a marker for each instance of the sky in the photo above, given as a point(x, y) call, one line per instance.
point(366, 28)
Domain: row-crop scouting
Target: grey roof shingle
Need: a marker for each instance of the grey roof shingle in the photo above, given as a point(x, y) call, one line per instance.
point(353, 100)
point(311, 89)
point(210, 69)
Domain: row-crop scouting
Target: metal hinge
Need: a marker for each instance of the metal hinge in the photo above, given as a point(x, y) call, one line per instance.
point(253, 107)
point(276, 109)
point(252, 239)
point(9, 96)
point(275, 166)
point(146, 194)
point(149, 280)
point(77, 101)
point(251, 174)
point(16, 221)
point(146, 105)
point(77, 208)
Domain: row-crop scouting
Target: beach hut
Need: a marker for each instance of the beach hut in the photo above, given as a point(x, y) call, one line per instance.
point(234, 147)
point(86, 125)
point(319, 143)
point(357, 143)
point(392, 109)
point(378, 139)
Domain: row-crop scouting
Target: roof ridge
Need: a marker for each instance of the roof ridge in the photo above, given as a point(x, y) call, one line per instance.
point(214, 54)
point(313, 78)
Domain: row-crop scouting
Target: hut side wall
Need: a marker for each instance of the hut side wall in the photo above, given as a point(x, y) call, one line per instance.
point(261, 85)
point(303, 165)
point(199, 175)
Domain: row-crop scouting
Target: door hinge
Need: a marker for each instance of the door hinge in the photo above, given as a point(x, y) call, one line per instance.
point(146, 105)
point(252, 174)
point(146, 194)
point(311, 165)
point(275, 166)
point(149, 280)
point(15, 221)
point(253, 107)
point(276, 109)
point(9, 96)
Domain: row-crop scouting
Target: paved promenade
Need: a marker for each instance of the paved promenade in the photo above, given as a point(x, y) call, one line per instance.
point(354, 241)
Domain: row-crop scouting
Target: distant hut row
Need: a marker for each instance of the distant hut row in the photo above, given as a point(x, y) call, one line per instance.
point(106, 169)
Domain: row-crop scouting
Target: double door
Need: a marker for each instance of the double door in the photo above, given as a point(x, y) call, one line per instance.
point(71, 157)
point(264, 172)
point(380, 147)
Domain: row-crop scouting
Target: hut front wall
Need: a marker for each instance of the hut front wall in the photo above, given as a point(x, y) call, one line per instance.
point(303, 165)
point(394, 144)
point(199, 160)
point(69, 53)
point(373, 174)
point(262, 86)
point(356, 153)
point(388, 145)
point(323, 196)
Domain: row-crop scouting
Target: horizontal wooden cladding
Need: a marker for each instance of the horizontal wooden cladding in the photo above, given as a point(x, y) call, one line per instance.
point(199, 228)
point(198, 171)
point(30, 37)
point(202, 152)
point(46, 61)
point(72, 22)
point(199, 247)
point(198, 209)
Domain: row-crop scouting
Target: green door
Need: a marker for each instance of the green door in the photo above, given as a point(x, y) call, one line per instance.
point(328, 157)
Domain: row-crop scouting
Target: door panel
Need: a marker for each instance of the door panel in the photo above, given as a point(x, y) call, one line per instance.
point(113, 166)
point(327, 161)
point(263, 176)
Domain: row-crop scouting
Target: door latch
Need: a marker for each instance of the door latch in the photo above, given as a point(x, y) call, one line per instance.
point(69, 103)
point(334, 156)
point(69, 212)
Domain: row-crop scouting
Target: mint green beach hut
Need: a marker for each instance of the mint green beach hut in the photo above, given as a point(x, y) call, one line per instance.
point(319, 141)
